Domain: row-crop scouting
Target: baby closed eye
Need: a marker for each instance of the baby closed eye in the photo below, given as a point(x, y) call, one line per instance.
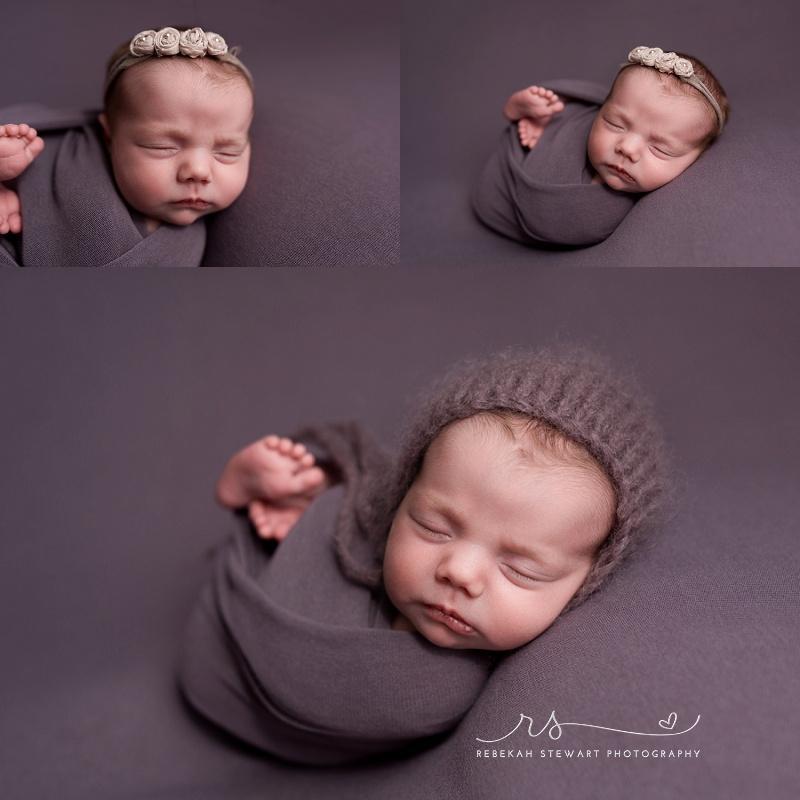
point(516, 575)
point(159, 150)
point(430, 532)
point(662, 153)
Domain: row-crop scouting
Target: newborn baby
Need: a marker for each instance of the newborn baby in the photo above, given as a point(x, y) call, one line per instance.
point(504, 523)
point(178, 109)
point(522, 483)
point(663, 111)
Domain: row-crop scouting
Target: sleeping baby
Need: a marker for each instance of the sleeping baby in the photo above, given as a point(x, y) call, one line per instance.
point(131, 187)
point(523, 483)
point(569, 172)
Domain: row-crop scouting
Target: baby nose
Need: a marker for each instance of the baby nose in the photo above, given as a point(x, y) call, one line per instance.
point(463, 570)
point(628, 146)
point(195, 166)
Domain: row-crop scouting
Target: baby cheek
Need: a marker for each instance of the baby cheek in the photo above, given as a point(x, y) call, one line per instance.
point(398, 566)
point(233, 183)
point(141, 177)
point(595, 147)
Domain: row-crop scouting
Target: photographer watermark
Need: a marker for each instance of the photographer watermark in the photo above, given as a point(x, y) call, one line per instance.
point(554, 729)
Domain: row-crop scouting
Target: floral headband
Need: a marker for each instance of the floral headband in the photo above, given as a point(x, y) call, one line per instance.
point(672, 64)
point(191, 43)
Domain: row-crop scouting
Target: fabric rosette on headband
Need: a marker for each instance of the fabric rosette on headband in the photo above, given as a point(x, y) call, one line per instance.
point(663, 62)
point(193, 43)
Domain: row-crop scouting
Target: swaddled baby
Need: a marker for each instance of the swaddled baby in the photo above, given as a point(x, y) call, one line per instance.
point(523, 481)
point(663, 111)
point(178, 109)
point(521, 487)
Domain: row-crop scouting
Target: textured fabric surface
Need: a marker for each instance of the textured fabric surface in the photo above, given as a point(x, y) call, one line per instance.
point(325, 169)
point(286, 653)
point(545, 195)
point(73, 215)
point(129, 394)
point(736, 206)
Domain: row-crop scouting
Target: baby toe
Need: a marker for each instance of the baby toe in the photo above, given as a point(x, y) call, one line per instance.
point(281, 529)
point(298, 450)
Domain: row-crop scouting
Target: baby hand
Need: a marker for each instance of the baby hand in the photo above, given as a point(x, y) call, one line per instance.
point(19, 145)
point(276, 479)
point(10, 218)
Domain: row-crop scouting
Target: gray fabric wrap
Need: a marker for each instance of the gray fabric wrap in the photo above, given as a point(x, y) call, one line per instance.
point(287, 654)
point(72, 213)
point(544, 195)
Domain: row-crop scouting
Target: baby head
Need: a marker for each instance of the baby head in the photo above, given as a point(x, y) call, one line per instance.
point(178, 108)
point(663, 111)
point(523, 484)
point(497, 532)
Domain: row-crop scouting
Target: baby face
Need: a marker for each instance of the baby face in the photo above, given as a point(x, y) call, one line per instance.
point(489, 545)
point(642, 137)
point(179, 144)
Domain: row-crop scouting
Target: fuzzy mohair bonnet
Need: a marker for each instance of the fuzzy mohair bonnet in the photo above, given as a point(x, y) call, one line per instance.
point(572, 390)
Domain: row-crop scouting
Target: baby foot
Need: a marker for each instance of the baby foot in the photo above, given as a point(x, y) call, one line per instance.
point(273, 522)
point(535, 102)
point(276, 479)
point(10, 218)
point(529, 131)
point(19, 145)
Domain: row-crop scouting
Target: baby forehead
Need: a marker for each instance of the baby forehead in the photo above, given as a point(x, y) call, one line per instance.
point(505, 462)
point(517, 435)
point(175, 77)
point(159, 94)
point(645, 91)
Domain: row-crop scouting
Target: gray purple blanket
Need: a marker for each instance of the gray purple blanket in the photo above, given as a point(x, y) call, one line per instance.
point(286, 653)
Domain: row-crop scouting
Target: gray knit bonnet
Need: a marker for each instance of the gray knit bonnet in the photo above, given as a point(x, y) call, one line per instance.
point(572, 390)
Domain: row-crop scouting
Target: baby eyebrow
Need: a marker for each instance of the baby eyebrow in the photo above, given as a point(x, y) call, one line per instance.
point(549, 567)
point(448, 514)
point(663, 140)
point(232, 142)
point(168, 133)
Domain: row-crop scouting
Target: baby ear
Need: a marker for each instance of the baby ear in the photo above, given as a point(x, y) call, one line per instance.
point(103, 120)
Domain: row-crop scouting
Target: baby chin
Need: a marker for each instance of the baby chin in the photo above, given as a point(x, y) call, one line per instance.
point(185, 213)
